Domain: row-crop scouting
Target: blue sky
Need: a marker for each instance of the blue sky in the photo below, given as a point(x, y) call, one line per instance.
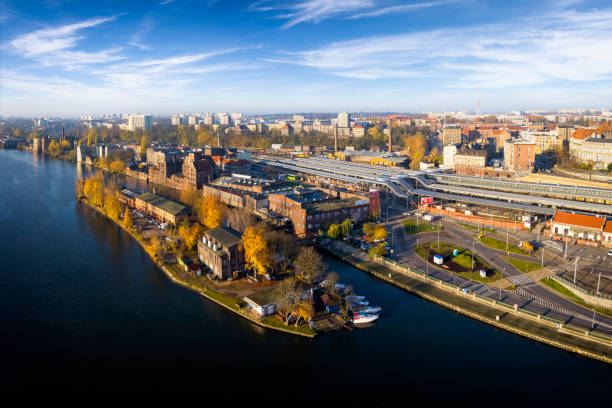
point(72, 57)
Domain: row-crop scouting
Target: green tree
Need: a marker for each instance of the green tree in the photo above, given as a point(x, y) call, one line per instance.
point(346, 227)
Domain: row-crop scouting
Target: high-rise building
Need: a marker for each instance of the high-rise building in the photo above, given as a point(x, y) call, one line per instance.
point(140, 122)
point(344, 120)
point(519, 155)
point(236, 117)
point(223, 118)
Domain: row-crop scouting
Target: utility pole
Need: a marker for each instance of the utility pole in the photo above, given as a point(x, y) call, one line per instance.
point(565, 251)
point(439, 228)
point(427, 270)
point(542, 255)
point(473, 242)
point(575, 269)
point(598, 280)
point(506, 237)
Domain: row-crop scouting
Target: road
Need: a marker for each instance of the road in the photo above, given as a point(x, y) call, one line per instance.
point(529, 294)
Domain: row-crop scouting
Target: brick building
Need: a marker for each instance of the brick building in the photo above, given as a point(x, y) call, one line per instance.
point(519, 155)
point(221, 250)
point(470, 162)
point(310, 209)
point(161, 208)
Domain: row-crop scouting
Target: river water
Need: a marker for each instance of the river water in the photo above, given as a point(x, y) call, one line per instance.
point(82, 304)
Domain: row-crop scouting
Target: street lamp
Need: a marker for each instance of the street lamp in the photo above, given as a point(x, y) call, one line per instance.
point(427, 270)
point(473, 242)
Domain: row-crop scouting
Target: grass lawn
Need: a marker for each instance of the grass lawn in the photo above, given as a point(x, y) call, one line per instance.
point(475, 227)
point(523, 266)
point(554, 285)
point(302, 328)
point(412, 227)
point(461, 264)
point(497, 244)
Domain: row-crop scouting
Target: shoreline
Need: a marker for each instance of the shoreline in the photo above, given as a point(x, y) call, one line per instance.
point(523, 324)
point(203, 291)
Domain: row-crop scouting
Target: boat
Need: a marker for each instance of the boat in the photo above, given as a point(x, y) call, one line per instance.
point(360, 318)
point(355, 298)
point(370, 309)
point(360, 303)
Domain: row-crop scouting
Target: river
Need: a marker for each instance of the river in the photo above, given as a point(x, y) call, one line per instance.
point(83, 305)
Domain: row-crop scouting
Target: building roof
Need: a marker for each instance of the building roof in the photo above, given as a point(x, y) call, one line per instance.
point(163, 203)
point(471, 152)
point(227, 237)
point(579, 220)
point(608, 227)
point(582, 133)
point(336, 204)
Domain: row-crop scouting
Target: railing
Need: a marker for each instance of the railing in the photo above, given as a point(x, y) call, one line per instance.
point(564, 281)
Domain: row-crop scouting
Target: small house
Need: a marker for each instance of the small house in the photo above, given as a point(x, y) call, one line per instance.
point(330, 305)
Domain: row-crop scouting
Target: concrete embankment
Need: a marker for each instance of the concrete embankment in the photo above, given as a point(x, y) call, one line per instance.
point(201, 289)
point(498, 314)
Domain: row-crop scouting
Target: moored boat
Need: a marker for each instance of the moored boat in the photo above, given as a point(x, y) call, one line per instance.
point(360, 318)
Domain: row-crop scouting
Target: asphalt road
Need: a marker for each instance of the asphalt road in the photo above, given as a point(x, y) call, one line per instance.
point(529, 294)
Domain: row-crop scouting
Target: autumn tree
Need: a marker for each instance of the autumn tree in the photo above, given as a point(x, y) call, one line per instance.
point(94, 189)
point(417, 147)
point(346, 227)
point(334, 231)
point(144, 143)
point(286, 294)
point(309, 264)
point(333, 279)
point(112, 207)
point(190, 234)
point(369, 228)
point(156, 247)
point(117, 166)
point(128, 223)
point(281, 246)
point(256, 252)
point(79, 188)
point(212, 211)
point(378, 251)
point(380, 234)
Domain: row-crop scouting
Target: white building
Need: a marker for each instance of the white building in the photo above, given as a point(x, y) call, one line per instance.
point(208, 119)
point(223, 118)
point(144, 121)
point(449, 156)
point(236, 117)
point(344, 119)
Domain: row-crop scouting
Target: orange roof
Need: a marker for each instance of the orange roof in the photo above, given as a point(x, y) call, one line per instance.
point(582, 133)
point(604, 127)
point(608, 227)
point(580, 220)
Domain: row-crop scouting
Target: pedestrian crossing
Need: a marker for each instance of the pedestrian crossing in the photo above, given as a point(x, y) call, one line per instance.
point(521, 280)
point(540, 301)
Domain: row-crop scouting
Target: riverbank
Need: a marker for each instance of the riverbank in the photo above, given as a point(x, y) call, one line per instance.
point(234, 305)
point(498, 314)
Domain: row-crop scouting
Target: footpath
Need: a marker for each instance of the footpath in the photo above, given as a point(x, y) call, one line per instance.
point(499, 314)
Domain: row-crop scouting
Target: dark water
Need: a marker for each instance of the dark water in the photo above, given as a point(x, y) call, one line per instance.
point(82, 305)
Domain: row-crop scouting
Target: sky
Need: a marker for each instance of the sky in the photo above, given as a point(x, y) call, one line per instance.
point(73, 57)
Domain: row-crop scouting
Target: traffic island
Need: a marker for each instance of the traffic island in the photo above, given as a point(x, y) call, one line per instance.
point(457, 260)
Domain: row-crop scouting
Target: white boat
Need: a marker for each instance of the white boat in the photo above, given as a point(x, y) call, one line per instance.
point(360, 303)
point(370, 309)
point(361, 318)
point(355, 298)
point(339, 286)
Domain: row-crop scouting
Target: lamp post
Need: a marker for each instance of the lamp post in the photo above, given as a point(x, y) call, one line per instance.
point(542, 255)
point(427, 270)
point(439, 228)
point(473, 242)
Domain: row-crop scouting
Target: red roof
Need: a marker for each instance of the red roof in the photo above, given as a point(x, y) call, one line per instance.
point(582, 133)
point(579, 220)
point(608, 227)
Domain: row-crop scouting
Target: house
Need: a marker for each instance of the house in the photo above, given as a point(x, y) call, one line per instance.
point(266, 302)
point(192, 268)
point(330, 305)
point(221, 250)
point(606, 236)
point(585, 229)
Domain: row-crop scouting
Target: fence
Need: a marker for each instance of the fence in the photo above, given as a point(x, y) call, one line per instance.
point(587, 295)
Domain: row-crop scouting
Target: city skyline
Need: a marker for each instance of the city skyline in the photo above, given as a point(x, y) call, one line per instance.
point(68, 59)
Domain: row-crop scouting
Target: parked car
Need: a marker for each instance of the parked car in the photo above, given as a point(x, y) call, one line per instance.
point(610, 252)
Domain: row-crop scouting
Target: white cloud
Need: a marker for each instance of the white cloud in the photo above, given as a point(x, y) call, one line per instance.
point(401, 9)
point(568, 46)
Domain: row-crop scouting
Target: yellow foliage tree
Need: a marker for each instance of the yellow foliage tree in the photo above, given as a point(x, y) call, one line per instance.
point(94, 189)
point(117, 166)
point(212, 211)
point(256, 252)
point(334, 231)
point(112, 207)
point(380, 233)
point(190, 234)
point(128, 223)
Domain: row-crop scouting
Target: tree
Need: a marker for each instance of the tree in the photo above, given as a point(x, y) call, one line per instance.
point(309, 264)
point(94, 189)
point(369, 228)
point(190, 234)
point(378, 251)
point(156, 247)
point(239, 218)
point(285, 293)
point(256, 252)
point(128, 223)
point(212, 211)
point(79, 188)
point(117, 166)
point(112, 207)
point(346, 227)
point(144, 143)
point(333, 279)
point(380, 234)
point(334, 231)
